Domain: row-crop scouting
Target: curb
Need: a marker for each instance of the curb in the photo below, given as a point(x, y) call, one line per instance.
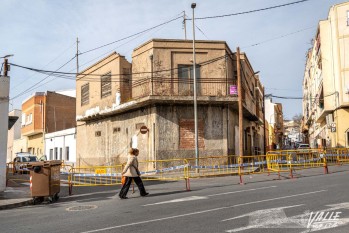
point(16, 205)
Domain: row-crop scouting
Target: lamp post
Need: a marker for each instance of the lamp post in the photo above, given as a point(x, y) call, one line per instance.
point(193, 5)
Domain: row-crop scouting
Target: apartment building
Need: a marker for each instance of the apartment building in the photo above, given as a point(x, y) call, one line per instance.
point(117, 100)
point(274, 117)
point(326, 82)
point(42, 113)
point(292, 133)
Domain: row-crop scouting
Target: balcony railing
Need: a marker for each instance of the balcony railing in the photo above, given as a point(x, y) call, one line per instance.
point(218, 87)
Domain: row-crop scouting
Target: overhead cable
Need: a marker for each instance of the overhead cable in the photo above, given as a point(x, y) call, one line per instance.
point(135, 34)
point(251, 11)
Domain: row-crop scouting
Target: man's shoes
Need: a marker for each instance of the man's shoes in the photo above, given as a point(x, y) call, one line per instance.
point(145, 194)
point(123, 197)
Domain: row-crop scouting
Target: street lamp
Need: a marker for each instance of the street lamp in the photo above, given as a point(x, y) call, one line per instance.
point(193, 5)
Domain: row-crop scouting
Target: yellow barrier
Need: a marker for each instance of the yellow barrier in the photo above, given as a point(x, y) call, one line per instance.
point(212, 166)
point(291, 160)
point(337, 156)
point(95, 176)
point(170, 170)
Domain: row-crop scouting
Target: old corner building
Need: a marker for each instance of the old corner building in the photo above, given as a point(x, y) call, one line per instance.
point(116, 98)
point(326, 82)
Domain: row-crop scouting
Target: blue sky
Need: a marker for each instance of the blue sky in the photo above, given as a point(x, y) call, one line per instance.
point(42, 34)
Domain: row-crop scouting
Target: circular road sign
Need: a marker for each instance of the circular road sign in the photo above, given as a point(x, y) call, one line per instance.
point(143, 129)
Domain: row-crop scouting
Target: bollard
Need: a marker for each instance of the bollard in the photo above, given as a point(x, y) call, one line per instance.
point(240, 174)
point(187, 184)
point(70, 187)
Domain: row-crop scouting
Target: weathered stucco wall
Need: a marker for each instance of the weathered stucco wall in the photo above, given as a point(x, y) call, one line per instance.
point(116, 133)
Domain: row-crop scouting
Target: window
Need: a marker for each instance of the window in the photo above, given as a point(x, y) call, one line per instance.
point(347, 18)
point(51, 154)
point(186, 79)
point(85, 94)
point(67, 153)
point(106, 85)
point(116, 129)
point(23, 119)
point(60, 153)
point(98, 133)
point(56, 153)
point(347, 133)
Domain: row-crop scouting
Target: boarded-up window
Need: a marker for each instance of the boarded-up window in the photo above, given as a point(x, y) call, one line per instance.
point(187, 134)
point(139, 125)
point(106, 85)
point(85, 94)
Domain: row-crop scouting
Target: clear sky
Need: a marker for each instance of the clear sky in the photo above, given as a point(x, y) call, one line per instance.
point(42, 34)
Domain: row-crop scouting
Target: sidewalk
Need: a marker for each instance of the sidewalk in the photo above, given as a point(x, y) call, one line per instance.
point(15, 195)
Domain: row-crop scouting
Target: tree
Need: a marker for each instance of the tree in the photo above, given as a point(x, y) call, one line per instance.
point(297, 118)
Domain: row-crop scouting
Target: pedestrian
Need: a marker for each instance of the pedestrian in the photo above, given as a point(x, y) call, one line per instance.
point(131, 172)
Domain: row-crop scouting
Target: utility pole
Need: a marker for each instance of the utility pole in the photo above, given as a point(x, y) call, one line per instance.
point(238, 66)
point(77, 55)
point(185, 25)
point(241, 129)
point(193, 5)
point(4, 107)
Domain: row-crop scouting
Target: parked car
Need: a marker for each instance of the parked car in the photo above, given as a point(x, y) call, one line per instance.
point(21, 161)
point(303, 146)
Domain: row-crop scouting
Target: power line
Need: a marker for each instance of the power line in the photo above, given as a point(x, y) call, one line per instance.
point(54, 59)
point(118, 47)
point(252, 11)
point(135, 34)
point(300, 98)
point(34, 86)
point(279, 37)
point(122, 74)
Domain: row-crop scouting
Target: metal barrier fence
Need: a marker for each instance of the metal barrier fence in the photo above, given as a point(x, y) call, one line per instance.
point(337, 156)
point(286, 161)
point(291, 160)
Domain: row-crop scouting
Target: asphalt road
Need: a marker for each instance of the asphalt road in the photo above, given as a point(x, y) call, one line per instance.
point(305, 204)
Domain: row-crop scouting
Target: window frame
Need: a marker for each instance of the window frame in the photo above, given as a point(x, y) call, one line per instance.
point(85, 94)
point(106, 85)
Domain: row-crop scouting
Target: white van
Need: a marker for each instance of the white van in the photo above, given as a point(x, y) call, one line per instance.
point(21, 161)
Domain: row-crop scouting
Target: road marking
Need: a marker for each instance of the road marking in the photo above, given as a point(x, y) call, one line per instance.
point(276, 218)
point(202, 212)
point(87, 194)
point(193, 198)
point(268, 213)
point(240, 191)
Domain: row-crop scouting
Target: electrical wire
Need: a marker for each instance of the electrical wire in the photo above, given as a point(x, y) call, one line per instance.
point(110, 51)
point(35, 85)
point(122, 74)
point(251, 11)
point(300, 98)
point(135, 34)
point(279, 37)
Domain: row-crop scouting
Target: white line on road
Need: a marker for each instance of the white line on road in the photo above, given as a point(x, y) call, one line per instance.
point(193, 198)
point(240, 191)
point(201, 212)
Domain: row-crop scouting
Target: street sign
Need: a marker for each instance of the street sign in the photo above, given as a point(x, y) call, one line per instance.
point(143, 129)
point(100, 171)
point(233, 90)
